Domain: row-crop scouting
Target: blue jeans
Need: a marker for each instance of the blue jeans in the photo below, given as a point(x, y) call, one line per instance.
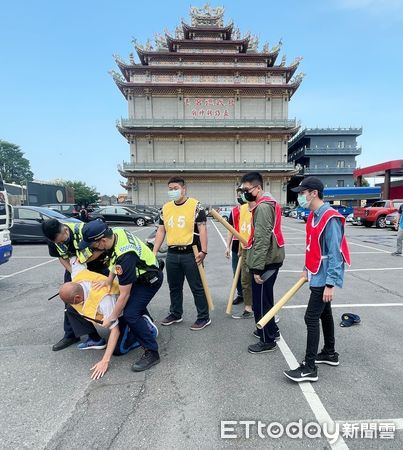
point(136, 306)
point(234, 261)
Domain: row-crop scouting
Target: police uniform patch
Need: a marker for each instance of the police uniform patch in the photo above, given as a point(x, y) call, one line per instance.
point(118, 270)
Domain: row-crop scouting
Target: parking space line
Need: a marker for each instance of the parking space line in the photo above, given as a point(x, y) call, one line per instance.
point(307, 389)
point(315, 403)
point(376, 269)
point(351, 253)
point(294, 229)
point(30, 257)
point(368, 246)
point(348, 305)
point(29, 268)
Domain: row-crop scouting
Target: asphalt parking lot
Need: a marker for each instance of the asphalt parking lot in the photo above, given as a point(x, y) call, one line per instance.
point(48, 400)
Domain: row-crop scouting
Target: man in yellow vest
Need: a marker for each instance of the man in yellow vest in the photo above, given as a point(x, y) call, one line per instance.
point(63, 241)
point(183, 222)
point(240, 219)
point(139, 278)
point(84, 303)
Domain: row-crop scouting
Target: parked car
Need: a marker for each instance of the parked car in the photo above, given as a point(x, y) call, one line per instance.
point(225, 212)
point(350, 218)
point(142, 209)
point(27, 226)
point(67, 209)
point(120, 214)
point(391, 220)
point(286, 210)
point(343, 209)
point(377, 212)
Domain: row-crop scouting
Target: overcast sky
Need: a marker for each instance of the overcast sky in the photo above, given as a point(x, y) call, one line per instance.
point(58, 102)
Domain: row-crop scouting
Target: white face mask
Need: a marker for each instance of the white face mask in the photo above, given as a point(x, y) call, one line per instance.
point(174, 195)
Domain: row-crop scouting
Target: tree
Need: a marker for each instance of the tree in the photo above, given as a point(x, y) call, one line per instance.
point(13, 166)
point(83, 194)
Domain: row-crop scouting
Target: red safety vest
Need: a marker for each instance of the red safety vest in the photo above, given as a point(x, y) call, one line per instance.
point(313, 254)
point(277, 221)
point(235, 217)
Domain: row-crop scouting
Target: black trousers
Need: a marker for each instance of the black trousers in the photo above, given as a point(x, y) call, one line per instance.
point(180, 266)
point(263, 301)
point(318, 309)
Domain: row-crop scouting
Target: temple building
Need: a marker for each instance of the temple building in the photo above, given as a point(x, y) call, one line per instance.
point(208, 104)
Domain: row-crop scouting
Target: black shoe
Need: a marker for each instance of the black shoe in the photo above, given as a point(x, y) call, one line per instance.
point(277, 337)
point(237, 300)
point(64, 343)
point(262, 347)
point(170, 319)
point(149, 359)
point(243, 315)
point(326, 358)
point(302, 373)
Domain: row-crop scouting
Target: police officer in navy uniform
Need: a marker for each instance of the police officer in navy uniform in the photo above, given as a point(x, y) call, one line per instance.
point(139, 277)
point(63, 241)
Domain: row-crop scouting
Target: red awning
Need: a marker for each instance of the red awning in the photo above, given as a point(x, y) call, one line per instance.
point(378, 170)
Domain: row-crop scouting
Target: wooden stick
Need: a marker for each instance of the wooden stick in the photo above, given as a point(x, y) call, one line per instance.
point(284, 299)
point(204, 280)
point(231, 229)
point(233, 287)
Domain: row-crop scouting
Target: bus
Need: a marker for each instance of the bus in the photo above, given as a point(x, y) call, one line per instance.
point(6, 222)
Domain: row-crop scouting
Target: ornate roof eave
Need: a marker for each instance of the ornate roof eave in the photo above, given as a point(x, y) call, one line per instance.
point(129, 133)
point(190, 28)
point(293, 67)
point(295, 83)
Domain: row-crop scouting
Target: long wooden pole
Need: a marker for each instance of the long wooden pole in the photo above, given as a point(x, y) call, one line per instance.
point(233, 287)
point(204, 280)
point(284, 299)
point(230, 228)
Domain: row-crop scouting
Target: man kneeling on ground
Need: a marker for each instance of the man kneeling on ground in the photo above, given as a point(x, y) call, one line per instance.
point(82, 300)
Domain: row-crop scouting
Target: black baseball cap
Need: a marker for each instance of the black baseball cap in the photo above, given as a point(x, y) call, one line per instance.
point(92, 231)
point(311, 184)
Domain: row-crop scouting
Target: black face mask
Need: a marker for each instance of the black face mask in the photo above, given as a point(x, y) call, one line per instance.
point(249, 197)
point(240, 201)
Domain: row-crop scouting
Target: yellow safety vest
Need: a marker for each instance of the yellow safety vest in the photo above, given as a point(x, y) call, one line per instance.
point(126, 242)
point(90, 307)
point(245, 220)
point(63, 249)
point(179, 222)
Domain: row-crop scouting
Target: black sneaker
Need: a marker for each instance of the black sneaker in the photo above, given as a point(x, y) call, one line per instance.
point(276, 338)
point(170, 319)
point(326, 358)
point(149, 359)
point(302, 373)
point(393, 254)
point(200, 324)
point(243, 315)
point(64, 343)
point(237, 300)
point(262, 347)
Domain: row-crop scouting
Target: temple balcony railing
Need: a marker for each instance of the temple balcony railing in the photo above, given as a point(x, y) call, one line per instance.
point(207, 123)
point(327, 170)
point(355, 151)
point(204, 166)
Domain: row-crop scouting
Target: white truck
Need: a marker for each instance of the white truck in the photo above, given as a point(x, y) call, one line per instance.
point(6, 222)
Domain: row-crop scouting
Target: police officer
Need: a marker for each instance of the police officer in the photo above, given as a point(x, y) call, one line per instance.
point(139, 277)
point(63, 241)
point(183, 222)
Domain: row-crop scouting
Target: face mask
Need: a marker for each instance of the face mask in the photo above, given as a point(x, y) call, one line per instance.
point(303, 202)
point(174, 195)
point(240, 200)
point(249, 197)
